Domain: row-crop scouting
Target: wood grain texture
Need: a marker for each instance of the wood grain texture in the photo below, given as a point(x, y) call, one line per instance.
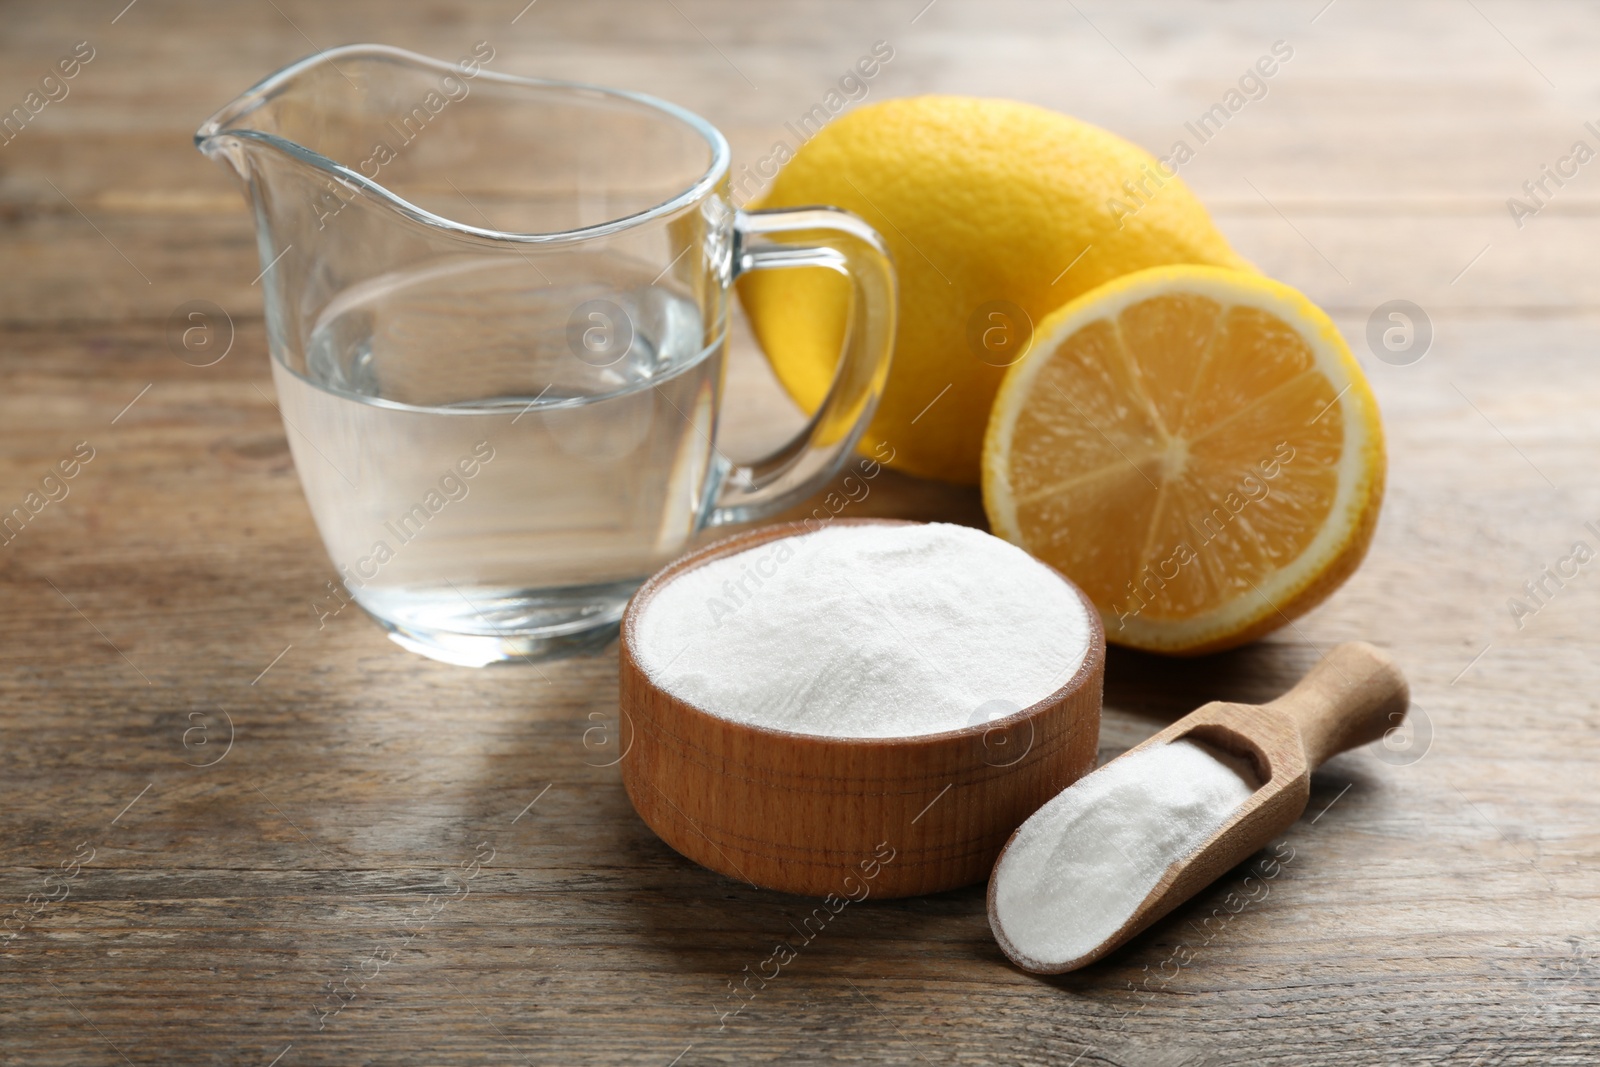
point(1355, 695)
point(844, 817)
point(1437, 904)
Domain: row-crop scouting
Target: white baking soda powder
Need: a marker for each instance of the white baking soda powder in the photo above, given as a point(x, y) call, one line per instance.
point(866, 631)
point(1082, 864)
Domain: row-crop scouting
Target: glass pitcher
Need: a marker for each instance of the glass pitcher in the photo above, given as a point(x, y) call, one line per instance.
point(497, 311)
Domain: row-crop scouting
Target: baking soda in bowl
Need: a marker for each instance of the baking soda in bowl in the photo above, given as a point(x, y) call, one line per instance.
point(870, 630)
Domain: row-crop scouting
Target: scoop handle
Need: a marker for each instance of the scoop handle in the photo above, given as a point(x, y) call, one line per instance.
point(1354, 695)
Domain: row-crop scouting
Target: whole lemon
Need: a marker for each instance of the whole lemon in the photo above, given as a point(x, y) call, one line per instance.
point(997, 213)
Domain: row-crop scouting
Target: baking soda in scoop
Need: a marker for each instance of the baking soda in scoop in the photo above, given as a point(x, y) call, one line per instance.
point(872, 630)
point(1081, 865)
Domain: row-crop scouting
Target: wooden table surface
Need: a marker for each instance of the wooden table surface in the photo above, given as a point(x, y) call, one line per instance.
point(1440, 904)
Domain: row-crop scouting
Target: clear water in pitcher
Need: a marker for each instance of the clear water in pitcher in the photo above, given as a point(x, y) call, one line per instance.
point(494, 461)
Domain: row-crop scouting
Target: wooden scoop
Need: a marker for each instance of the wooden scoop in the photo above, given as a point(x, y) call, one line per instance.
point(1355, 695)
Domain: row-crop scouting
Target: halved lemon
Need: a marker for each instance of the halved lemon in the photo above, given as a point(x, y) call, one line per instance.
point(1196, 448)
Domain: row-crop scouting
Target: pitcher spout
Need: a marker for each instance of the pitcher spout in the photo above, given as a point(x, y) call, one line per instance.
point(348, 111)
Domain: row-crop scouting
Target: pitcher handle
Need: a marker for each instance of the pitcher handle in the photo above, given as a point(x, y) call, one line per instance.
point(837, 240)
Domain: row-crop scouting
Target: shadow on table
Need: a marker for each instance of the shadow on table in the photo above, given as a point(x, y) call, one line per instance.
point(1169, 687)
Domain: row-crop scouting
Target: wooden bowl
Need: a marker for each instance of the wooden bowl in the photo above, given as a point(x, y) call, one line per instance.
point(812, 815)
